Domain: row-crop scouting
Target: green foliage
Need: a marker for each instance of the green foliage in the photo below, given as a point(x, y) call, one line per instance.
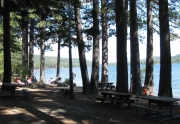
point(67, 80)
point(19, 70)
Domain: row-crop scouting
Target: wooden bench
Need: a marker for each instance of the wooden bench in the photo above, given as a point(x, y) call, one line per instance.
point(111, 86)
point(147, 110)
point(102, 86)
point(120, 101)
point(106, 86)
point(26, 93)
point(102, 99)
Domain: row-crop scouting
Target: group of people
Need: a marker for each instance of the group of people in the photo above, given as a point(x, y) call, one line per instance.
point(27, 80)
point(30, 80)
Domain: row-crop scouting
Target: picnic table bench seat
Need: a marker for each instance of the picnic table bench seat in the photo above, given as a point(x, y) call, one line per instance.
point(102, 99)
point(119, 101)
point(147, 110)
point(111, 86)
point(107, 86)
point(26, 93)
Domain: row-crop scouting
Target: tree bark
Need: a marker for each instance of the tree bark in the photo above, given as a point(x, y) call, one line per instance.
point(165, 88)
point(25, 43)
point(31, 48)
point(70, 57)
point(149, 82)
point(58, 57)
point(82, 57)
point(104, 73)
point(134, 46)
point(6, 45)
point(122, 73)
point(42, 57)
point(95, 60)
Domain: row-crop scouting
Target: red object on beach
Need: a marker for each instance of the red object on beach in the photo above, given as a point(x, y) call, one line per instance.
point(145, 91)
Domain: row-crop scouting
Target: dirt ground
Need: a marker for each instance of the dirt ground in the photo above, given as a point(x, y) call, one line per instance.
point(47, 106)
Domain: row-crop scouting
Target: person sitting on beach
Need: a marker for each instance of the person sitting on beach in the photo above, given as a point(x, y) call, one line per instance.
point(34, 79)
point(29, 80)
point(26, 80)
point(58, 80)
point(51, 81)
point(17, 80)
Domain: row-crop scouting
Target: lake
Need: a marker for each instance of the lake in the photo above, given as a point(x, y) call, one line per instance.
point(64, 73)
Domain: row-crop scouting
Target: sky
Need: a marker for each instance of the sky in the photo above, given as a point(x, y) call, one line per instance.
point(175, 45)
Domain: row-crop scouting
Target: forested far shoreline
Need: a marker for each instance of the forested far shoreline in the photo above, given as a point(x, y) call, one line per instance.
point(51, 61)
point(174, 59)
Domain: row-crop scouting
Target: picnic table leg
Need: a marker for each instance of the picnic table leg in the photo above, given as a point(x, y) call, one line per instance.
point(101, 87)
point(149, 112)
point(65, 101)
point(170, 111)
point(64, 95)
point(12, 94)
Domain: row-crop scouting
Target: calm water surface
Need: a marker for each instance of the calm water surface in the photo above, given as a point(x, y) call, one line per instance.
point(64, 73)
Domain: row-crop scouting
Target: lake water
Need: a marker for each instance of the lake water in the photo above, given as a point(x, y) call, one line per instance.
point(64, 73)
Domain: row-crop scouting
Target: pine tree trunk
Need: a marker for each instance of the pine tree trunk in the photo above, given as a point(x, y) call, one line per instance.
point(58, 57)
point(6, 45)
point(31, 48)
point(122, 74)
point(70, 57)
point(95, 61)
point(134, 46)
point(104, 73)
point(42, 58)
point(165, 88)
point(149, 82)
point(25, 43)
point(82, 57)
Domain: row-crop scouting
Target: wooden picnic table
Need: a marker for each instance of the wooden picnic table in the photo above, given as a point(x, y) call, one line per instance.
point(112, 93)
point(106, 84)
point(162, 101)
point(13, 88)
point(117, 97)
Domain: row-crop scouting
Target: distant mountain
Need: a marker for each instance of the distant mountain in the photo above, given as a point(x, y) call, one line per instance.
point(51, 62)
